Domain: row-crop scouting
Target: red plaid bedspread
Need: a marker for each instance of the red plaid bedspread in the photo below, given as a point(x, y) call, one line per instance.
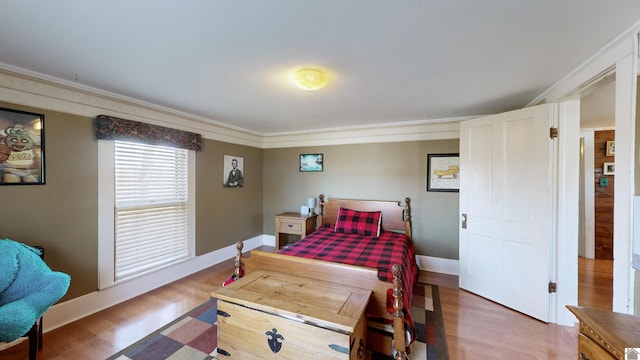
point(367, 251)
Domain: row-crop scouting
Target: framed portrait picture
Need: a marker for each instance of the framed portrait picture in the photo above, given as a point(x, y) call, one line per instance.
point(233, 175)
point(609, 168)
point(21, 148)
point(311, 162)
point(611, 148)
point(443, 172)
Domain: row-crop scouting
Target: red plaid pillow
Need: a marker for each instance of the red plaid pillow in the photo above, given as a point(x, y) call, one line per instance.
point(365, 223)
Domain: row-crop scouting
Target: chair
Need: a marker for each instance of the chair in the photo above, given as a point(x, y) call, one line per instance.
point(28, 288)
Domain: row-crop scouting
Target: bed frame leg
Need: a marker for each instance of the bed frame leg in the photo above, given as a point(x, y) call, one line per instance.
point(399, 340)
point(320, 210)
point(407, 217)
point(238, 272)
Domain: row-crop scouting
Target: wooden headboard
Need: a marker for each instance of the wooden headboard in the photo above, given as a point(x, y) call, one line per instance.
point(395, 216)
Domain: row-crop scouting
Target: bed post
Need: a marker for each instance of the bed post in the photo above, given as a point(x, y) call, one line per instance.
point(399, 341)
point(238, 262)
point(321, 210)
point(407, 217)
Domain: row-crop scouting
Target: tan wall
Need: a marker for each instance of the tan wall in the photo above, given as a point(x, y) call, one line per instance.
point(226, 215)
point(387, 171)
point(62, 215)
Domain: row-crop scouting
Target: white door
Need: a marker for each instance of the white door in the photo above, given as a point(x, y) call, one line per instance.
point(505, 206)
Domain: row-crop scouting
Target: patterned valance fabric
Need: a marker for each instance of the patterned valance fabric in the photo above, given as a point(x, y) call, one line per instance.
point(113, 128)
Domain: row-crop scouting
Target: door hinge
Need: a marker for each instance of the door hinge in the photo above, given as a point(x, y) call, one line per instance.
point(553, 287)
point(553, 132)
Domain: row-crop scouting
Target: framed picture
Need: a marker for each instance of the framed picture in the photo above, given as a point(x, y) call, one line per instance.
point(311, 162)
point(233, 175)
point(609, 168)
point(21, 148)
point(443, 172)
point(611, 148)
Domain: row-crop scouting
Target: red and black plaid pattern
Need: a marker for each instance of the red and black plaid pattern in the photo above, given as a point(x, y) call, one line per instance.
point(365, 223)
point(367, 251)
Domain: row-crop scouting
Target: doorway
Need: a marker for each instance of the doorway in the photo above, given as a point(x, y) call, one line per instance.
point(597, 153)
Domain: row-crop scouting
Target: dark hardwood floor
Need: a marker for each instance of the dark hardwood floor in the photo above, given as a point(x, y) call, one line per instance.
point(475, 327)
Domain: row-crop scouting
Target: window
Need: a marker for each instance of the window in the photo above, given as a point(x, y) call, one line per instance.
point(146, 189)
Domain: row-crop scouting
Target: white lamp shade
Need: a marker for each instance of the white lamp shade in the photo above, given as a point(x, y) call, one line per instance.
point(309, 79)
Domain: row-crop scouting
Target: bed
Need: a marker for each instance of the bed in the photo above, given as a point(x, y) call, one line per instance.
point(348, 249)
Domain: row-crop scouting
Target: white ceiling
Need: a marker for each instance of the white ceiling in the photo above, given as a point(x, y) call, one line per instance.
point(389, 61)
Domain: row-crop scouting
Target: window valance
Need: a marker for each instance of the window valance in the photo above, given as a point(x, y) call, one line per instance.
point(113, 128)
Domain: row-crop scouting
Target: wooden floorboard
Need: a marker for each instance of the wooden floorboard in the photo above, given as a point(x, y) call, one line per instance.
point(595, 283)
point(476, 328)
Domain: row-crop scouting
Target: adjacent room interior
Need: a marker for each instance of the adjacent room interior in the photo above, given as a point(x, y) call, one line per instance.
point(595, 251)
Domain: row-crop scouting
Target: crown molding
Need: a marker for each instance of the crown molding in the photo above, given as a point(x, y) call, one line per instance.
point(24, 87)
point(397, 132)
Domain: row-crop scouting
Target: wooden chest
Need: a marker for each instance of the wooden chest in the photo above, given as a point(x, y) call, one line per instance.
point(604, 335)
point(273, 315)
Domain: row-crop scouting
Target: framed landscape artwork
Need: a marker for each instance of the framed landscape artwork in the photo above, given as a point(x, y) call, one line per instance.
point(21, 148)
point(311, 162)
point(443, 172)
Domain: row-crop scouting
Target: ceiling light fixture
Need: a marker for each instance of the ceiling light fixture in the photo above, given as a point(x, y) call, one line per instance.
point(309, 79)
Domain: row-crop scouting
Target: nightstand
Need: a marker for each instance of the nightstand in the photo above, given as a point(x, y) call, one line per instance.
point(293, 224)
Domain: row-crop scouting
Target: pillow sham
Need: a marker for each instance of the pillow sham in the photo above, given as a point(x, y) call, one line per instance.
point(365, 223)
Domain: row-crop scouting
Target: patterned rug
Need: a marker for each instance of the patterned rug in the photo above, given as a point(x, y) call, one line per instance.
point(193, 336)
point(431, 342)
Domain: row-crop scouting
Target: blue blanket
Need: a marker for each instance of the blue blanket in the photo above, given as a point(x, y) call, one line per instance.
point(28, 287)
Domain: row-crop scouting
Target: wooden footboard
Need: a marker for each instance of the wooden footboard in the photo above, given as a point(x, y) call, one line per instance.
point(344, 274)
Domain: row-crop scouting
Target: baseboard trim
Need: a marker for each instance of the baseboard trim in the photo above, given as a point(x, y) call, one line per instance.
point(269, 240)
point(439, 265)
point(69, 311)
point(77, 308)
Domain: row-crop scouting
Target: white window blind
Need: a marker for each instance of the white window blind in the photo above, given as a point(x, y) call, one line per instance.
point(151, 207)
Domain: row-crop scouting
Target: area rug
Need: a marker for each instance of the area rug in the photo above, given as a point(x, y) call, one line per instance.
point(431, 342)
point(193, 336)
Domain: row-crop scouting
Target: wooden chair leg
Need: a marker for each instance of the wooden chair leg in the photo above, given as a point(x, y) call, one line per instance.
point(33, 341)
point(39, 333)
point(35, 333)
